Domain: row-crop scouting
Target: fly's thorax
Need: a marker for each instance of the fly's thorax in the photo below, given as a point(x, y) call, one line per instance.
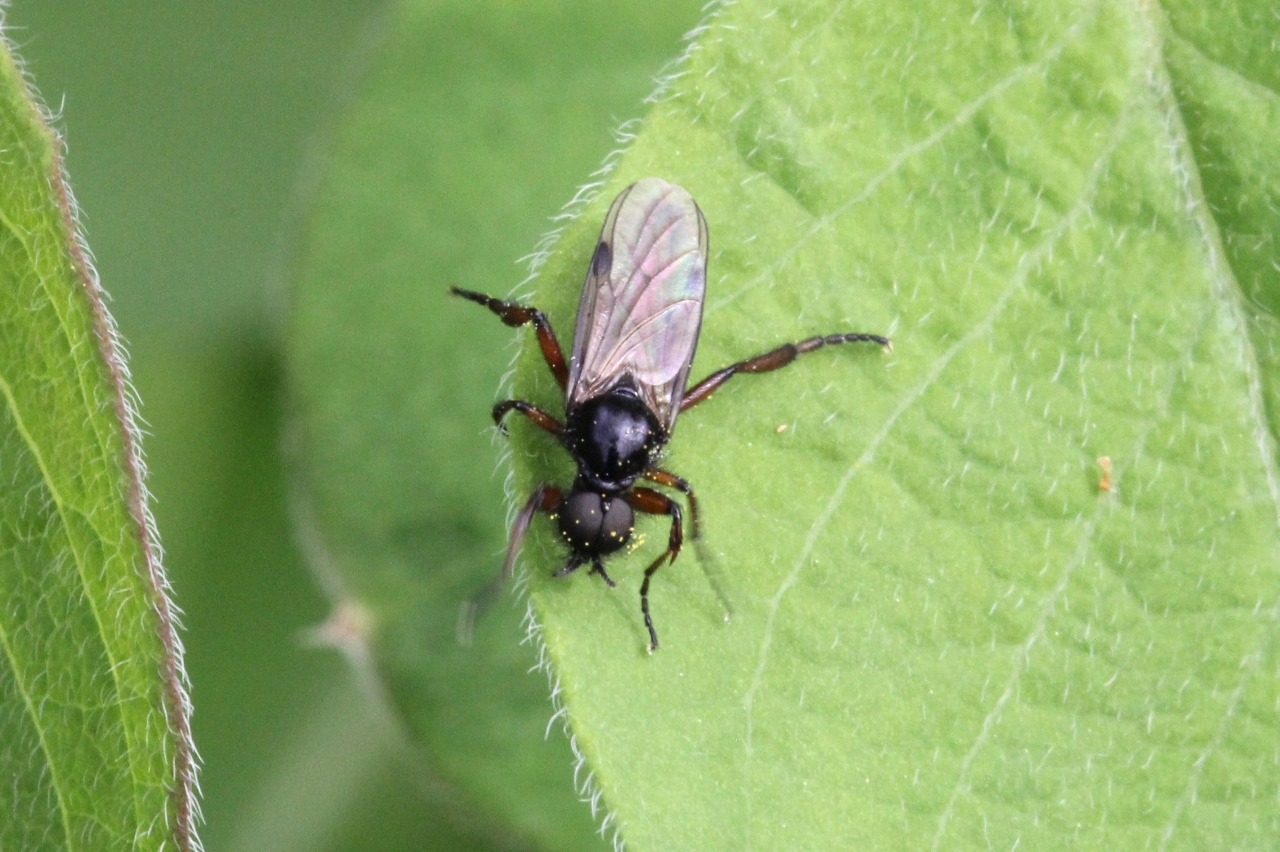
point(595, 524)
point(613, 437)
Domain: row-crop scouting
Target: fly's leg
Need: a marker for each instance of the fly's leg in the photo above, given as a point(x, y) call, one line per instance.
point(664, 477)
point(539, 417)
point(597, 567)
point(705, 557)
point(545, 498)
point(655, 503)
point(517, 315)
point(772, 360)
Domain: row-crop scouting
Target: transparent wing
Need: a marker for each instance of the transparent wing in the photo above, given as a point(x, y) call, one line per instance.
point(641, 305)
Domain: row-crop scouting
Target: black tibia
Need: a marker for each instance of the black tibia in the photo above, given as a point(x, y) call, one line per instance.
point(663, 477)
point(655, 503)
point(538, 416)
point(517, 315)
point(772, 360)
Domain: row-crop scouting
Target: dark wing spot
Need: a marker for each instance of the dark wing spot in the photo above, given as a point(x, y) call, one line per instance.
point(602, 262)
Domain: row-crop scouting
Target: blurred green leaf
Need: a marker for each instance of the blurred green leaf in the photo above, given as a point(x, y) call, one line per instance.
point(944, 631)
point(473, 125)
point(94, 746)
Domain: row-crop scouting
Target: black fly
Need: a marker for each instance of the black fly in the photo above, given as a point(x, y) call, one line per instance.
point(638, 323)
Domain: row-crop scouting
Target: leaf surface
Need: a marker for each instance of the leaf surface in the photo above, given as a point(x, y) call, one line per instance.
point(94, 744)
point(949, 629)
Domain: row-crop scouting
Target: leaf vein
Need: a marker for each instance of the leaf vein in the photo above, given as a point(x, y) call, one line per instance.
point(961, 119)
point(1017, 282)
point(14, 666)
point(1225, 288)
point(1079, 208)
point(60, 503)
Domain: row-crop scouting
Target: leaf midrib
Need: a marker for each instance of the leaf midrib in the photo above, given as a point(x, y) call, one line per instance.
point(1225, 289)
point(1225, 285)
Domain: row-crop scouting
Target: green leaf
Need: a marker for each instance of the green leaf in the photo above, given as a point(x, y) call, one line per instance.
point(472, 125)
point(945, 632)
point(94, 745)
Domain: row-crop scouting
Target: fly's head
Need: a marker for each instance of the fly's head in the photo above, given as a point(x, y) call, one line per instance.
point(594, 524)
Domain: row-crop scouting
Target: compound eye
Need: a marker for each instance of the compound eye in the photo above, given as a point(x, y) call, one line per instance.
point(618, 523)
